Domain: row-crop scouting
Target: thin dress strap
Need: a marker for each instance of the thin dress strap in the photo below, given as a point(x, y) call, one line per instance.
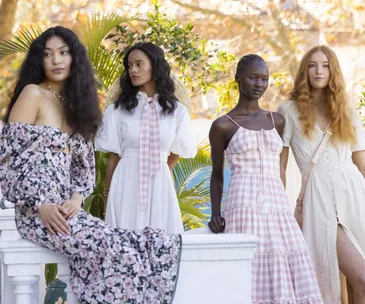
point(272, 118)
point(233, 121)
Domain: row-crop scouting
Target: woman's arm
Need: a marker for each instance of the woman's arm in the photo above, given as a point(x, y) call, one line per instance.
point(358, 159)
point(217, 143)
point(27, 105)
point(172, 160)
point(26, 110)
point(284, 156)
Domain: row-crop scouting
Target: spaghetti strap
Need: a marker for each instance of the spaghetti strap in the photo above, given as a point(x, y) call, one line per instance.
point(272, 118)
point(233, 121)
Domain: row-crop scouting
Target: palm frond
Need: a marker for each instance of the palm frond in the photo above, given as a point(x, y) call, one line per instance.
point(19, 42)
point(98, 27)
point(107, 66)
point(201, 190)
point(191, 210)
point(193, 195)
point(188, 168)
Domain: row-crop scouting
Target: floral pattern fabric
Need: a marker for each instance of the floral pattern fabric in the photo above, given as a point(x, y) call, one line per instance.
point(41, 164)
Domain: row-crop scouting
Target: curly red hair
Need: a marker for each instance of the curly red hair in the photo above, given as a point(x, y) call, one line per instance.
point(339, 107)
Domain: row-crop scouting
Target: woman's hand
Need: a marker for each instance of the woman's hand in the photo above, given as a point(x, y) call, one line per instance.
point(217, 224)
point(72, 206)
point(53, 218)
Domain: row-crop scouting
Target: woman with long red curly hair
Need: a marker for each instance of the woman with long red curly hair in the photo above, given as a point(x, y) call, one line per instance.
point(319, 120)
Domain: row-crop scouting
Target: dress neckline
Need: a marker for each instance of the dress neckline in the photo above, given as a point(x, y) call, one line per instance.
point(39, 126)
point(320, 129)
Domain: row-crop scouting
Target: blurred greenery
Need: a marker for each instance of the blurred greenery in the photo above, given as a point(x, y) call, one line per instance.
point(361, 105)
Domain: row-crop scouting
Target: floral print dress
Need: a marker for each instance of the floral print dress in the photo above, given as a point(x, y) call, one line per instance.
point(41, 164)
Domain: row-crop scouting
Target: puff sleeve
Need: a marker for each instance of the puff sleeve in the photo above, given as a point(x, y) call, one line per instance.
point(360, 134)
point(184, 143)
point(109, 138)
point(284, 110)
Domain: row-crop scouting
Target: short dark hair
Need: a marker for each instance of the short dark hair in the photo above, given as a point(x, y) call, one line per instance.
point(245, 60)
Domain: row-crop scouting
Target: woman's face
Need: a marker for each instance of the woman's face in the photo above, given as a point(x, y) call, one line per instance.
point(318, 70)
point(140, 68)
point(253, 80)
point(56, 60)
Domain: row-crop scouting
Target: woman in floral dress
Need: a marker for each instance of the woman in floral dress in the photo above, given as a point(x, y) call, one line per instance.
point(256, 202)
point(47, 169)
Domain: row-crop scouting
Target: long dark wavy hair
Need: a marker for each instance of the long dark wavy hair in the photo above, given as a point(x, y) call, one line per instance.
point(81, 104)
point(160, 72)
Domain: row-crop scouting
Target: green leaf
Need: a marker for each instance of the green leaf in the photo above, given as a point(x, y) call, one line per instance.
point(19, 42)
point(192, 211)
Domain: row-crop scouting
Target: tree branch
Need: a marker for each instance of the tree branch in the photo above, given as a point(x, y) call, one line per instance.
point(276, 47)
point(7, 16)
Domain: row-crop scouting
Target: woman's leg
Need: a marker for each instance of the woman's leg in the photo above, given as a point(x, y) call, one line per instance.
point(344, 289)
point(350, 293)
point(352, 264)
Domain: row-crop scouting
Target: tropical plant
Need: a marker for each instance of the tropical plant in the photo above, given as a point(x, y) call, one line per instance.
point(192, 187)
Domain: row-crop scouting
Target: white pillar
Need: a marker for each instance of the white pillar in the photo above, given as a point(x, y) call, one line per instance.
point(8, 232)
point(23, 288)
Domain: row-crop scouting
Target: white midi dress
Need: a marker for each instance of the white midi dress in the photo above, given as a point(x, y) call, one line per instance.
point(335, 189)
point(120, 134)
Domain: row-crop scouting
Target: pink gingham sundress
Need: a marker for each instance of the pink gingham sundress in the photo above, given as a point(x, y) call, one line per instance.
point(256, 203)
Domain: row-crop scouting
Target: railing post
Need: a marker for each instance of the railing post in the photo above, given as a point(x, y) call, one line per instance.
point(23, 288)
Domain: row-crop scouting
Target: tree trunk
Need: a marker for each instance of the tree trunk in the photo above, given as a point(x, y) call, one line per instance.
point(7, 16)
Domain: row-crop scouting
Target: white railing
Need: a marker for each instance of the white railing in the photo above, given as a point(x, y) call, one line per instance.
point(213, 267)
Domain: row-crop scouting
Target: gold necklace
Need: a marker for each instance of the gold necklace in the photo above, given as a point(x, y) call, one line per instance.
point(62, 97)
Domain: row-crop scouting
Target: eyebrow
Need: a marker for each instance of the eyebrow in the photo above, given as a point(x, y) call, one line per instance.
point(61, 47)
point(326, 61)
point(138, 60)
point(258, 74)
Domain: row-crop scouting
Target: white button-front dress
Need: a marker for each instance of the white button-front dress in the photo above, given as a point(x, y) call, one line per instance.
point(120, 134)
point(335, 195)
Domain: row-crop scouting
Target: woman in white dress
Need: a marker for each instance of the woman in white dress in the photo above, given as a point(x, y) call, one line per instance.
point(145, 132)
point(333, 209)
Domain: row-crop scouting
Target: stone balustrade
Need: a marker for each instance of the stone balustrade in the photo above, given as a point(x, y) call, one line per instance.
point(214, 269)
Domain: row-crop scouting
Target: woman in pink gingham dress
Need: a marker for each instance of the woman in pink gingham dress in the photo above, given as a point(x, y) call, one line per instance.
point(256, 201)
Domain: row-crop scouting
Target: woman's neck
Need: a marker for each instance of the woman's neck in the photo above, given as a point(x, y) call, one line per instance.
point(149, 89)
point(57, 87)
point(318, 96)
point(248, 106)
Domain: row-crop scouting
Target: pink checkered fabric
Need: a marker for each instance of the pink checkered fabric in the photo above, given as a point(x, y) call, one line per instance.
point(149, 146)
point(256, 203)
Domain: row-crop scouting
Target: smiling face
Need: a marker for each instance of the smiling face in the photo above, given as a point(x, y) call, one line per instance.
point(318, 70)
point(56, 60)
point(253, 79)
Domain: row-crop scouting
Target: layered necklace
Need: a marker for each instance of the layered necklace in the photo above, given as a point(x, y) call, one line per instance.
point(56, 94)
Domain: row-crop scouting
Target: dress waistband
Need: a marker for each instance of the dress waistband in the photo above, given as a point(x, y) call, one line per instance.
point(134, 153)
